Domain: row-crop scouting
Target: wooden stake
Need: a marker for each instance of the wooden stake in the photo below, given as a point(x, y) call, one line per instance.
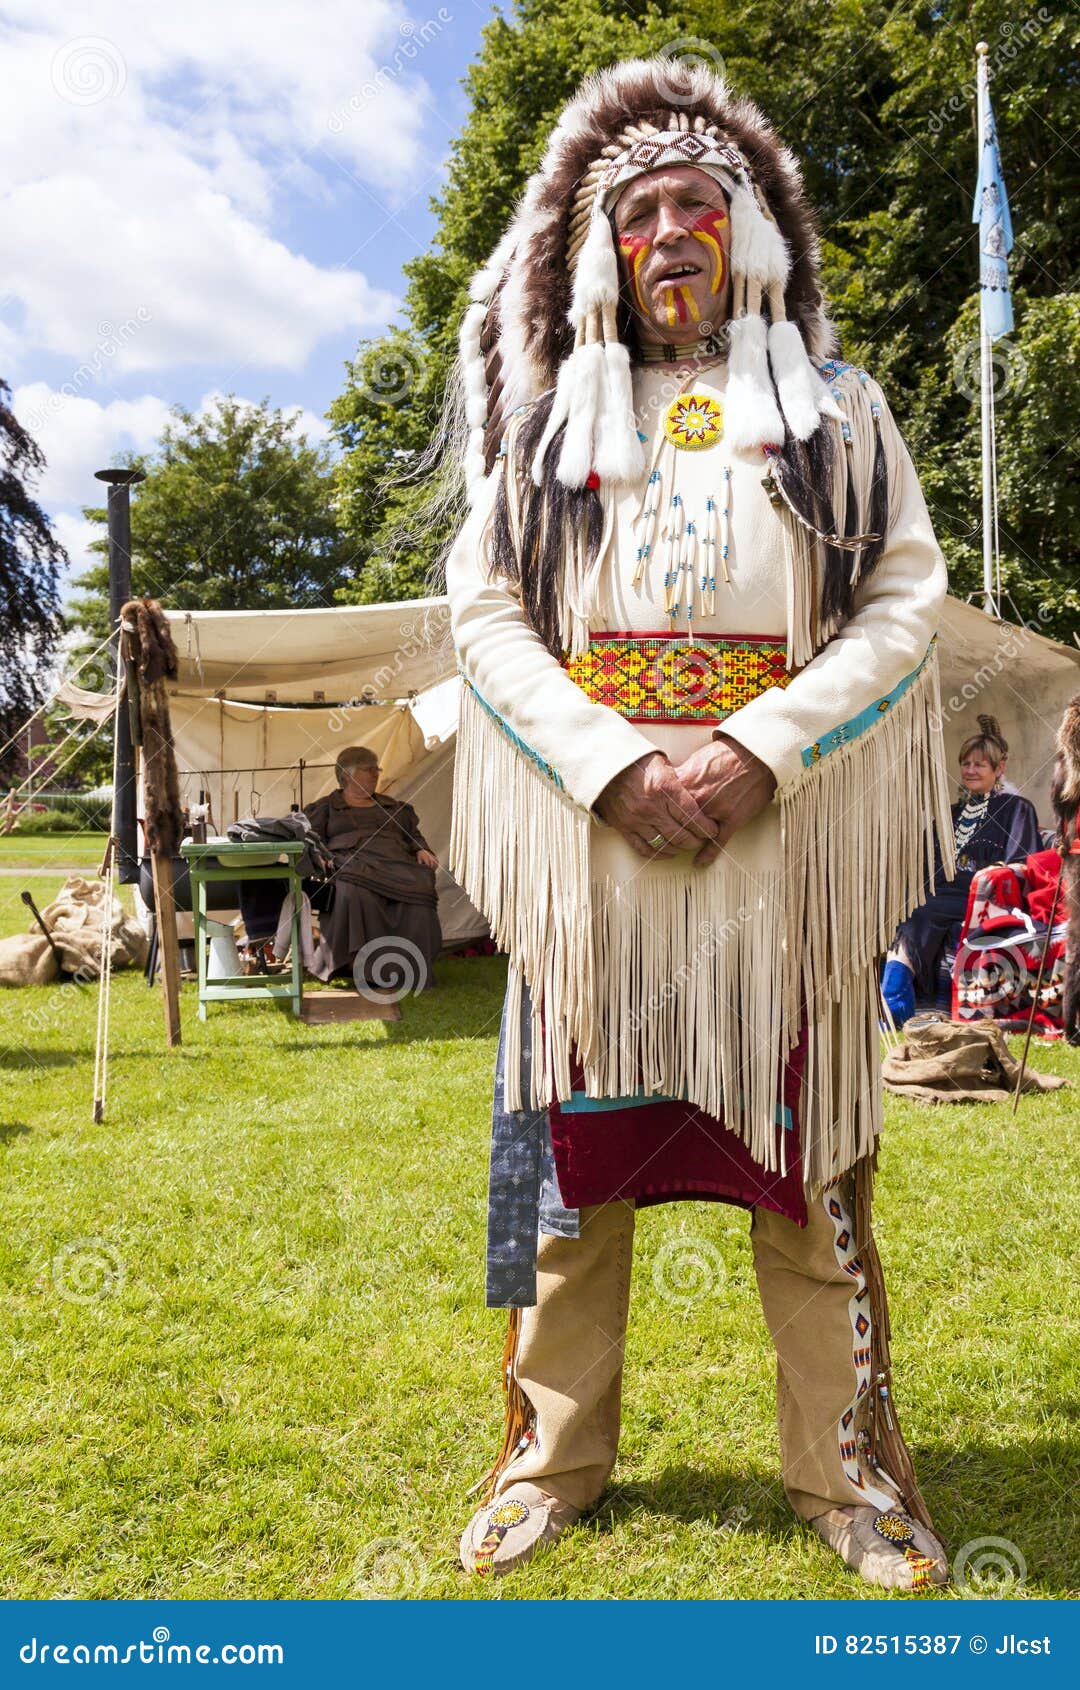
point(168, 947)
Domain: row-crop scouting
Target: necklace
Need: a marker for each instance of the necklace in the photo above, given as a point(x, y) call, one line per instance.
point(713, 346)
point(970, 819)
point(694, 542)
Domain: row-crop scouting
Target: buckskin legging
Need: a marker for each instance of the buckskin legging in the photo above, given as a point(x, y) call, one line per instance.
point(568, 1359)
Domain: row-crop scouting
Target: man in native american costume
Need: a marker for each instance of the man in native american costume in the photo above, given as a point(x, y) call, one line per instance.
point(699, 774)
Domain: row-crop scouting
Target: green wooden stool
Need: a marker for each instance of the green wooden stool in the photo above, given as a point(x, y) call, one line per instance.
point(217, 861)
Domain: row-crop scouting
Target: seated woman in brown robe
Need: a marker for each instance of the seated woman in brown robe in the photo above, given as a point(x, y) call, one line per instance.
point(384, 923)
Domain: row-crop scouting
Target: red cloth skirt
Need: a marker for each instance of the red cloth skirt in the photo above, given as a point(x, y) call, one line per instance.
point(661, 1150)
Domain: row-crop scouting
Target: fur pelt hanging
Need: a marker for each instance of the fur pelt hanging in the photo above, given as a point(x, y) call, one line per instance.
point(147, 643)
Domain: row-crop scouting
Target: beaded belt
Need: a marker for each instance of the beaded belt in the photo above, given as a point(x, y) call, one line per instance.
point(663, 678)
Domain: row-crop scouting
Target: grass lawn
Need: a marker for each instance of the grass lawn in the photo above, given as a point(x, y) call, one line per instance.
point(52, 850)
point(247, 1355)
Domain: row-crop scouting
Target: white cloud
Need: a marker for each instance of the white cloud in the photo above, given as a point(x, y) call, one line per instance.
point(316, 429)
point(203, 285)
point(145, 152)
point(79, 435)
point(75, 534)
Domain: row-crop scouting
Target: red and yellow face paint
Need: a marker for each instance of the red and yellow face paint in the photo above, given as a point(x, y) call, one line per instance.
point(679, 303)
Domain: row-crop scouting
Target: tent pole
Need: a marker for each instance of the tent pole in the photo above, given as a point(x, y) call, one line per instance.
point(986, 377)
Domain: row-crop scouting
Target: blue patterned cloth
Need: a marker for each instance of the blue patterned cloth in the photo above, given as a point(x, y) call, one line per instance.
point(523, 1191)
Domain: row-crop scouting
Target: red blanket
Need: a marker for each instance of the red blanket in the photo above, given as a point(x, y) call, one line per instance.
point(1001, 947)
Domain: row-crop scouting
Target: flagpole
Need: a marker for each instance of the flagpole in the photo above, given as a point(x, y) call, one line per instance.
point(986, 376)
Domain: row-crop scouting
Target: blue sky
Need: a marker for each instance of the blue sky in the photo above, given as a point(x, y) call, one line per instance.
point(211, 198)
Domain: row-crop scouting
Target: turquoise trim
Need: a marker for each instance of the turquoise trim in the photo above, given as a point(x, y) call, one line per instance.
point(833, 368)
point(856, 726)
point(579, 1103)
point(515, 739)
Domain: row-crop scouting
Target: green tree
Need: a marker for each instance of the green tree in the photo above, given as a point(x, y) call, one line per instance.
point(30, 562)
point(383, 419)
point(877, 102)
point(237, 512)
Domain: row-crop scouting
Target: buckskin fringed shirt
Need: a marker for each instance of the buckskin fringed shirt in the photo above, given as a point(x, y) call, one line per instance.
point(660, 980)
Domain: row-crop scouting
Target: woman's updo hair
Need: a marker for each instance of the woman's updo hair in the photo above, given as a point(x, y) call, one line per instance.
point(990, 742)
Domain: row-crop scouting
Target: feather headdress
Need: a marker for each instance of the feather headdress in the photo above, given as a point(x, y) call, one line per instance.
point(544, 309)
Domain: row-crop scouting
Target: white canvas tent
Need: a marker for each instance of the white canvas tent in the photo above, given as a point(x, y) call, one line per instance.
point(1016, 674)
point(266, 699)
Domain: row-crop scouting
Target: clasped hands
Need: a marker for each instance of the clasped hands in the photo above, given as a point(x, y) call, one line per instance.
point(692, 806)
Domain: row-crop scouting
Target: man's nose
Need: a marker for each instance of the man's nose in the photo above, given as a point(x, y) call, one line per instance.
point(670, 222)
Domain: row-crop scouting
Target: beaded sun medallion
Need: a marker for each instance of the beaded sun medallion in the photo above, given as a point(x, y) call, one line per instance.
point(694, 420)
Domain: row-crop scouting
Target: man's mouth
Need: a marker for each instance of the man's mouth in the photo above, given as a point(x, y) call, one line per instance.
point(672, 273)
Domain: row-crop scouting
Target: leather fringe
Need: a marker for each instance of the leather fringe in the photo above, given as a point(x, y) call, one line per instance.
point(519, 1413)
point(888, 1453)
point(696, 984)
point(858, 853)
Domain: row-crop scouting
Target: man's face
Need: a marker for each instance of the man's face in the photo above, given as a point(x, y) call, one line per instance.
point(674, 237)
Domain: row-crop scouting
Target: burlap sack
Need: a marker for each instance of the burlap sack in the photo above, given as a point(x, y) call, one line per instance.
point(75, 919)
point(26, 959)
point(946, 1062)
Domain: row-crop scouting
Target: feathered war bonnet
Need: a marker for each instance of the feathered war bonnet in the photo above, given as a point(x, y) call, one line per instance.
point(544, 321)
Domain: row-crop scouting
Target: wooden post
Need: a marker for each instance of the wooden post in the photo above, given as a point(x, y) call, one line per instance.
point(168, 947)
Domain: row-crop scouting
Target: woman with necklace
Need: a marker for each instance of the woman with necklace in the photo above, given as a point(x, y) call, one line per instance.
point(991, 825)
